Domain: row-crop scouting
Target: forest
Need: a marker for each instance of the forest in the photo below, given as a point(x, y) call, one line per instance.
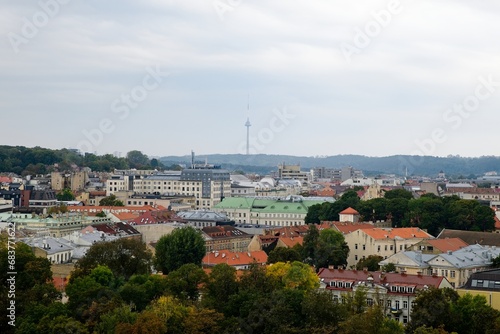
point(33, 161)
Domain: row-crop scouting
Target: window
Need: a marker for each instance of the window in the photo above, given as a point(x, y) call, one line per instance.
point(364, 247)
point(405, 319)
point(385, 248)
point(369, 301)
point(356, 257)
point(378, 248)
point(397, 305)
point(405, 304)
point(332, 283)
point(355, 246)
point(452, 273)
point(392, 247)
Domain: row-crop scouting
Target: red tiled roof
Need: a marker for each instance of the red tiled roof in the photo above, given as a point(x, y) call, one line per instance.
point(290, 231)
point(349, 211)
point(156, 217)
point(448, 244)
point(419, 281)
point(126, 216)
point(5, 179)
point(401, 232)
point(497, 223)
point(234, 258)
point(290, 242)
point(347, 227)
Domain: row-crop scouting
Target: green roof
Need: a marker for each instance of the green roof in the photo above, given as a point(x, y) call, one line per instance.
point(265, 205)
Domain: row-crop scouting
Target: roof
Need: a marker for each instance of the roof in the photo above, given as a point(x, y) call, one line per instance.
point(468, 257)
point(490, 280)
point(418, 281)
point(497, 223)
point(292, 241)
point(289, 231)
point(125, 216)
point(472, 237)
point(348, 227)
point(224, 231)
point(267, 205)
point(401, 232)
point(447, 244)
point(157, 217)
point(349, 211)
point(234, 258)
point(49, 244)
point(203, 215)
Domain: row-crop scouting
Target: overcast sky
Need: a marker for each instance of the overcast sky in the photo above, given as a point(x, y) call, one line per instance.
point(323, 77)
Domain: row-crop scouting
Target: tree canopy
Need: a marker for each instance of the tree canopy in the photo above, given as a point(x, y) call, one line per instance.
point(182, 246)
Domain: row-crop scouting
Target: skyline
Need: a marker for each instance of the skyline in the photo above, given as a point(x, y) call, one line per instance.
point(374, 78)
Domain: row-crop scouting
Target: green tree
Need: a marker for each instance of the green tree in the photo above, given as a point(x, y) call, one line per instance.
point(111, 200)
point(65, 195)
point(125, 257)
point(182, 246)
point(433, 309)
point(141, 289)
point(283, 254)
point(221, 285)
point(398, 193)
point(321, 312)
point(137, 159)
point(310, 244)
point(331, 249)
point(184, 283)
point(389, 268)
point(295, 275)
point(472, 314)
point(371, 263)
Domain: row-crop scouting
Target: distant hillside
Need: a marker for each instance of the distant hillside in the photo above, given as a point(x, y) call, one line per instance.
point(397, 164)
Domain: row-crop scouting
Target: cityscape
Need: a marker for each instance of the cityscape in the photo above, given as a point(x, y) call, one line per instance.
point(249, 167)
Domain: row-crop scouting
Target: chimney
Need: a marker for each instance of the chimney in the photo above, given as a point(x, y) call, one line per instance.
point(365, 269)
point(330, 267)
point(419, 273)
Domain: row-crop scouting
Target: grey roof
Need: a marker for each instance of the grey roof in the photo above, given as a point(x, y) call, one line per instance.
point(471, 256)
point(203, 215)
point(49, 244)
point(488, 280)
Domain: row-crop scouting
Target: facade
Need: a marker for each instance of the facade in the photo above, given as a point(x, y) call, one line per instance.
point(208, 185)
point(484, 283)
point(225, 237)
point(396, 293)
point(384, 242)
point(292, 172)
point(438, 246)
point(289, 211)
point(52, 249)
point(349, 215)
point(204, 218)
point(456, 266)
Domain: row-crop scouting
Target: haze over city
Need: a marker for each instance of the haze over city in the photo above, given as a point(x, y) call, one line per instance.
point(330, 77)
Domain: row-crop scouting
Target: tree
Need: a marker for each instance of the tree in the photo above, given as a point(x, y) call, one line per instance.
point(331, 249)
point(182, 246)
point(311, 239)
point(111, 200)
point(124, 257)
point(283, 254)
point(371, 263)
point(389, 268)
point(433, 308)
point(65, 195)
point(472, 314)
point(221, 285)
point(398, 193)
point(322, 312)
point(137, 159)
point(141, 289)
point(184, 283)
point(295, 275)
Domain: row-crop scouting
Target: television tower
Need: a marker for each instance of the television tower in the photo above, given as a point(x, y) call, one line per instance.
point(248, 125)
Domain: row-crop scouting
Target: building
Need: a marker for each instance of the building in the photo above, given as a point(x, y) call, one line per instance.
point(238, 260)
point(52, 249)
point(384, 242)
point(471, 237)
point(456, 266)
point(394, 292)
point(58, 225)
point(75, 181)
point(349, 215)
point(484, 283)
point(274, 212)
point(225, 238)
point(204, 218)
point(292, 172)
point(438, 246)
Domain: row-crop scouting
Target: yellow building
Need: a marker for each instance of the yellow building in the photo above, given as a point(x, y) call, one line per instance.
point(484, 283)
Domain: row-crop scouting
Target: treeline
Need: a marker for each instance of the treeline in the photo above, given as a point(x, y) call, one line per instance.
point(113, 291)
point(37, 160)
point(428, 212)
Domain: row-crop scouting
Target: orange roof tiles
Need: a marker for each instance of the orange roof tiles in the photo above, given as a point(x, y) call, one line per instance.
point(290, 242)
point(448, 244)
point(234, 258)
point(125, 216)
point(349, 211)
point(401, 232)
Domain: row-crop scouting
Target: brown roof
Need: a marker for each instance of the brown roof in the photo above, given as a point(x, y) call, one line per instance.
point(348, 227)
point(224, 231)
point(234, 258)
point(448, 244)
point(157, 217)
point(349, 211)
point(472, 237)
point(126, 216)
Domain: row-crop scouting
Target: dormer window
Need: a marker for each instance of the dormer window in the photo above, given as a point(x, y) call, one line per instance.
point(332, 283)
